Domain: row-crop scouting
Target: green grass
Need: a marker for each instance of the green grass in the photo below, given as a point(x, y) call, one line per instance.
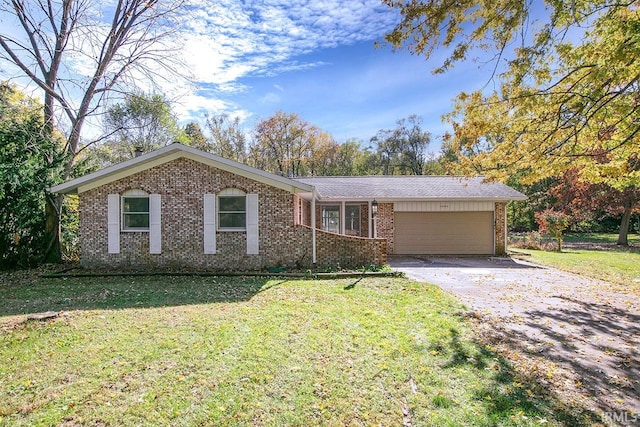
point(619, 267)
point(599, 238)
point(233, 351)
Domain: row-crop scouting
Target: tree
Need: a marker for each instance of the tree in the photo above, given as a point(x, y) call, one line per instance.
point(323, 159)
point(25, 174)
point(413, 143)
point(445, 162)
point(228, 139)
point(553, 223)
point(387, 150)
point(567, 96)
point(194, 136)
point(352, 159)
point(77, 52)
point(589, 203)
point(141, 121)
point(403, 148)
point(283, 144)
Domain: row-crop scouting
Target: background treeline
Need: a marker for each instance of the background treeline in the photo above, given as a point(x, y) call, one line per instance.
point(283, 144)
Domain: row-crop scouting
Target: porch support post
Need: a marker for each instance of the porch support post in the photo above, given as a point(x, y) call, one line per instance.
point(369, 217)
point(313, 226)
point(343, 217)
point(504, 227)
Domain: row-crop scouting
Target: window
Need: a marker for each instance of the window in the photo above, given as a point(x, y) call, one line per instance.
point(232, 210)
point(352, 220)
point(135, 211)
point(331, 219)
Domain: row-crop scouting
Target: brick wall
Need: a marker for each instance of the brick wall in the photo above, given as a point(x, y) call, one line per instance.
point(384, 224)
point(364, 220)
point(500, 213)
point(181, 184)
point(349, 251)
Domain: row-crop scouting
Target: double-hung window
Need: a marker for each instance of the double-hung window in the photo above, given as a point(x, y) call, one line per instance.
point(232, 210)
point(135, 211)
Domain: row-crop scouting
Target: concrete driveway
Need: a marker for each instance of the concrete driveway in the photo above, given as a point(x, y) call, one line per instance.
point(589, 328)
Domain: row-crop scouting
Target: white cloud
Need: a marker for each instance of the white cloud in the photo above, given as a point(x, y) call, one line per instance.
point(270, 98)
point(226, 42)
point(223, 42)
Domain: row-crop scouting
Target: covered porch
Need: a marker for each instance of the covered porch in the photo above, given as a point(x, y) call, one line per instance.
point(356, 218)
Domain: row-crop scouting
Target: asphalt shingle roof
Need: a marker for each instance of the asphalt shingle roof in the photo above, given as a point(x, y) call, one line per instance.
point(410, 187)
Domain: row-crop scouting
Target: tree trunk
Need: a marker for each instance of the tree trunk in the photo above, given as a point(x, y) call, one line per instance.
point(624, 225)
point(53, 250)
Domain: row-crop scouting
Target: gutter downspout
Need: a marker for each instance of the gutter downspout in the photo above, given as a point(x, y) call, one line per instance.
point(313, 225)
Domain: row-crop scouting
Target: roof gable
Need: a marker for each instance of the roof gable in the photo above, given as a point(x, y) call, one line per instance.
point(167, 154)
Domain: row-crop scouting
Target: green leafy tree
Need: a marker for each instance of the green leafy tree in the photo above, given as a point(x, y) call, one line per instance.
point(413, 143)
point(142, 121)
point(25, 174)
point(194, 136)
point(445, 162)
point(387, 150)
point(353, 159)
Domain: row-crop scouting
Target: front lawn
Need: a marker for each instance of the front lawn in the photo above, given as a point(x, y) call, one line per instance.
point(618, 267)
point(234, 351)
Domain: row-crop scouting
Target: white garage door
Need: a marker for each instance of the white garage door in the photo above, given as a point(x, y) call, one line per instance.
point(440, 233)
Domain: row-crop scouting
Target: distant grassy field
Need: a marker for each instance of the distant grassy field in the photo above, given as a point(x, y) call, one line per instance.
point(619, 267)
point(633, 238)
point(219, 351)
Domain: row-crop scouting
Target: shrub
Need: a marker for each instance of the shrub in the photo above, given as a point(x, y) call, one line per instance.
point(532, 240)
point(553, 223)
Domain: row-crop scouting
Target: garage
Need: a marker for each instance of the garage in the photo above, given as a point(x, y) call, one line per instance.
point(440, 233)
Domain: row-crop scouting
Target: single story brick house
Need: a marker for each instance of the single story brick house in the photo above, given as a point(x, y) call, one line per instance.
point(178, 207)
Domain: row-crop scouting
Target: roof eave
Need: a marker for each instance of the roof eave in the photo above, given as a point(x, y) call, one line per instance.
point(383, 199)
point(103, 175)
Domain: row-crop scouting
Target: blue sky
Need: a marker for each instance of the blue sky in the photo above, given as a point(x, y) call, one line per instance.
point(315, 58)
point(357, 91)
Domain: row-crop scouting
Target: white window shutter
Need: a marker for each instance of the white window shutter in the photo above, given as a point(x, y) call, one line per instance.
point(252, 224)
point(209, 224)
point(155, 229)
point(113, 223)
